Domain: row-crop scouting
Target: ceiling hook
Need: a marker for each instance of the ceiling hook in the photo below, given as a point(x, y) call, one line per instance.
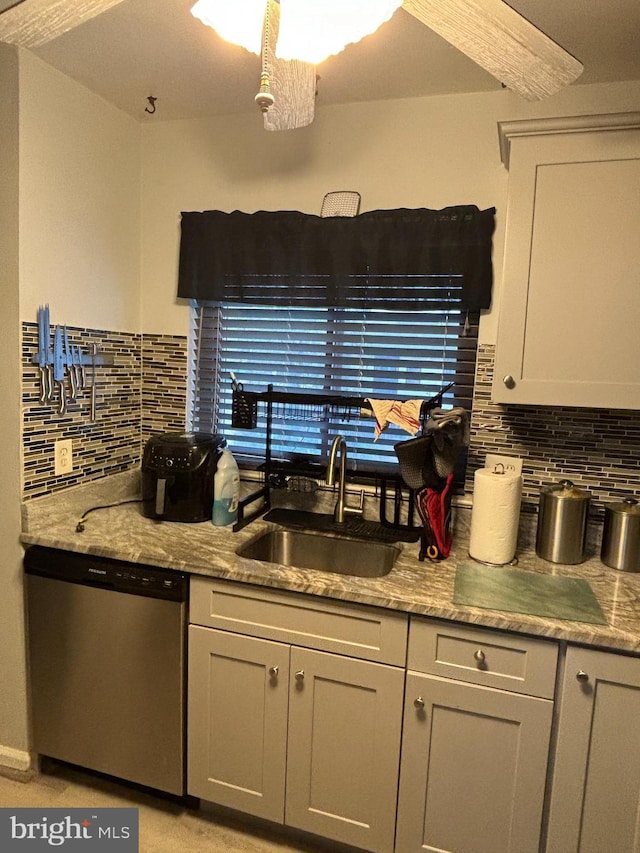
point(152, 104)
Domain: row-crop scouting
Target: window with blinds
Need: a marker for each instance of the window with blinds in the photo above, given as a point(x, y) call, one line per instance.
point(363, 352)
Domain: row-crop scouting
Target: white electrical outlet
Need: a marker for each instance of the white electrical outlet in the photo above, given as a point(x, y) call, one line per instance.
point(511, 464)
point(63, 457)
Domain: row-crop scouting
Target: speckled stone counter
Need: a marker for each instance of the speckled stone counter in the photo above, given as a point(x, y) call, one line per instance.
point(412, 586)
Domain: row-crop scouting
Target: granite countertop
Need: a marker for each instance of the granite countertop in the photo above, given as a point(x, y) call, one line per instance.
point(424, 588)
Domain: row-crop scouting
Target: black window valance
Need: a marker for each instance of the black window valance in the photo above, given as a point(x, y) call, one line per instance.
point(242, 256)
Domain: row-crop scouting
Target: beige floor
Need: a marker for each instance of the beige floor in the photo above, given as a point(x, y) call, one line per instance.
point(165, 826)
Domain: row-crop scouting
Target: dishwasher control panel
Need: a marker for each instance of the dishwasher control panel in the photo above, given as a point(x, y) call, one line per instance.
point(103, 572)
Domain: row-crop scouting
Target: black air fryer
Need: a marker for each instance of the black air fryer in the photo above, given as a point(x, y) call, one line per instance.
point(177, 475)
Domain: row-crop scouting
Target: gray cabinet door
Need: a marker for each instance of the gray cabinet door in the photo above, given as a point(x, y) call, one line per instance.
point(595, 796)
point(473, 768)
point(237, 721)
point(570, 275)
point(344, 747)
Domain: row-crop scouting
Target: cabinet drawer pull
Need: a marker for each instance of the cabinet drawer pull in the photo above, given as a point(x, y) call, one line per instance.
point(300, 675)
point(419, 702)
point(509, 381)
point(480, 657)
point(581, 675)
point(273, 671)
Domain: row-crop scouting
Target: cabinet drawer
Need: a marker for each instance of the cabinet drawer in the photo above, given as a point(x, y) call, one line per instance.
point(492, 658)
point(301, 620)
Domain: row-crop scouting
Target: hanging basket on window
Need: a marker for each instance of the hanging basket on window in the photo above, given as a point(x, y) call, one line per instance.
point(244, 409)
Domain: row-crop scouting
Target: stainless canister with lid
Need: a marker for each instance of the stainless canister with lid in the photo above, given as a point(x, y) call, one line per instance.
point(621, 536)
point(562, 523)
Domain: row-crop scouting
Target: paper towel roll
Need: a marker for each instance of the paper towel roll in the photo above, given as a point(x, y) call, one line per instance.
point(495, 516)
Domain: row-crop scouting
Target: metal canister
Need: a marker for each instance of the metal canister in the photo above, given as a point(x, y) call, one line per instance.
point(621, 536)
point(562, 523)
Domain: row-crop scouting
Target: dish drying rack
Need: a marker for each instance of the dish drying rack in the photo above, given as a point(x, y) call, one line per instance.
point(317, 407)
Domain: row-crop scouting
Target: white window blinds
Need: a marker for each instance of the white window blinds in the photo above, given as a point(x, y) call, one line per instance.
point(385, 354)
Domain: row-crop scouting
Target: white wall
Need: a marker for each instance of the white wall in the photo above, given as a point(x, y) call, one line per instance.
point(13, 698)
point(79, 203)
point(423, 152)
point(69, 236)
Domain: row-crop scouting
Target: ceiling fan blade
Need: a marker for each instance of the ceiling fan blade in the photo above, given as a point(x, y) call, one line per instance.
point(293, 86)
point(31, 23)
point(292, 83)
point(502, 42)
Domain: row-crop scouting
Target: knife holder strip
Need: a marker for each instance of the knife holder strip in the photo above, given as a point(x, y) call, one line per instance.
point(87, 360)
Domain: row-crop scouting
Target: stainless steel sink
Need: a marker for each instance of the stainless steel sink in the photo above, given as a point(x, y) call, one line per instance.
point(304, 550)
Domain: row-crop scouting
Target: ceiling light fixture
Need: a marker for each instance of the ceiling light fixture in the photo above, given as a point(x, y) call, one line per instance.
point(310, 30)
point(293, 36)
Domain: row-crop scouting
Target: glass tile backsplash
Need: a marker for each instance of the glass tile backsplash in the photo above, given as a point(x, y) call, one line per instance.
point(164, 384)
point(144, 392)
point(599, 449)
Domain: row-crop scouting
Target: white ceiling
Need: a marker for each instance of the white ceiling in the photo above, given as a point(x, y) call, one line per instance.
point(156, 47)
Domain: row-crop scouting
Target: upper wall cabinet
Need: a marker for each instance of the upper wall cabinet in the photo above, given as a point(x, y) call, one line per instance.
point(570, 307)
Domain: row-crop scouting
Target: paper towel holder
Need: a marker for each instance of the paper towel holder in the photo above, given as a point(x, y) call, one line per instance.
point(494, 521)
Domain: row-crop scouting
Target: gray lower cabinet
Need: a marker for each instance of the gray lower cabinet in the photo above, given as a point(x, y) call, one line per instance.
point(474, 755)
point(237, 721)
point(295, 714)
point(344, 748)
point(301, 736)
point(595, 801)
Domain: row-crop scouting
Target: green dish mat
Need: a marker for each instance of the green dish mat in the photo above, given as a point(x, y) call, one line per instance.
point(517, 591)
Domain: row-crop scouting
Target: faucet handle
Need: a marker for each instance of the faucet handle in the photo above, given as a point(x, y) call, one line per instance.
point(356, 510)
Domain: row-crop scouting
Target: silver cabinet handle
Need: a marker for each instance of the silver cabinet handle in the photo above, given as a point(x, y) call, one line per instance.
point(581, 675)
point(300, 675)
point(419, 702)
point(273, 671)
point(509, 381)
point(480, 657)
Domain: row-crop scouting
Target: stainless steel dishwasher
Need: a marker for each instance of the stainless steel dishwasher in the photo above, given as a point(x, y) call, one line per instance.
point(106, 646)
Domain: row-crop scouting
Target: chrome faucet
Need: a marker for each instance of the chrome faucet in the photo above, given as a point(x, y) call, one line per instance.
point(341, 508)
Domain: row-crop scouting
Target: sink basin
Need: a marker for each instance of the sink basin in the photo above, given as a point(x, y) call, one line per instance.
point(304, 550)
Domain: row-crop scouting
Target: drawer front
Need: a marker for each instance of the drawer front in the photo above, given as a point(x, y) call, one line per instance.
point(301, 620)
point(491, 658)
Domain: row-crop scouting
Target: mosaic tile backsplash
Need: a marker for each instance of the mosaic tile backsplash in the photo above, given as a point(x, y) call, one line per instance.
point(598, 449)
point(164, 384)
point(143, 392)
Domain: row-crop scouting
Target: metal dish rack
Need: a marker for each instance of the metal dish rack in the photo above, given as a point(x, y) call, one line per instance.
point(244, 415)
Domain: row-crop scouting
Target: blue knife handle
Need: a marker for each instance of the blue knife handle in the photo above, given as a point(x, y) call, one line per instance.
point(42, 356)
point(48, 360)
point(68, 360)
point(42, 350)
point(58, 367)
point(58, 356)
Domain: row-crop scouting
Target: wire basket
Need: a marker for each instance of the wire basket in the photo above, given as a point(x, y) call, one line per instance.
point(341, 203)
point(244, 409)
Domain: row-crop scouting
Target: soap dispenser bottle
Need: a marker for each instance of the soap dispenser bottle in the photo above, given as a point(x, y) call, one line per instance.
point(226, 490)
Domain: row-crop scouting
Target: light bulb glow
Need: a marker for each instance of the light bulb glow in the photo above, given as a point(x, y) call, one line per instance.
point(310, 30)
point(237, 21)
